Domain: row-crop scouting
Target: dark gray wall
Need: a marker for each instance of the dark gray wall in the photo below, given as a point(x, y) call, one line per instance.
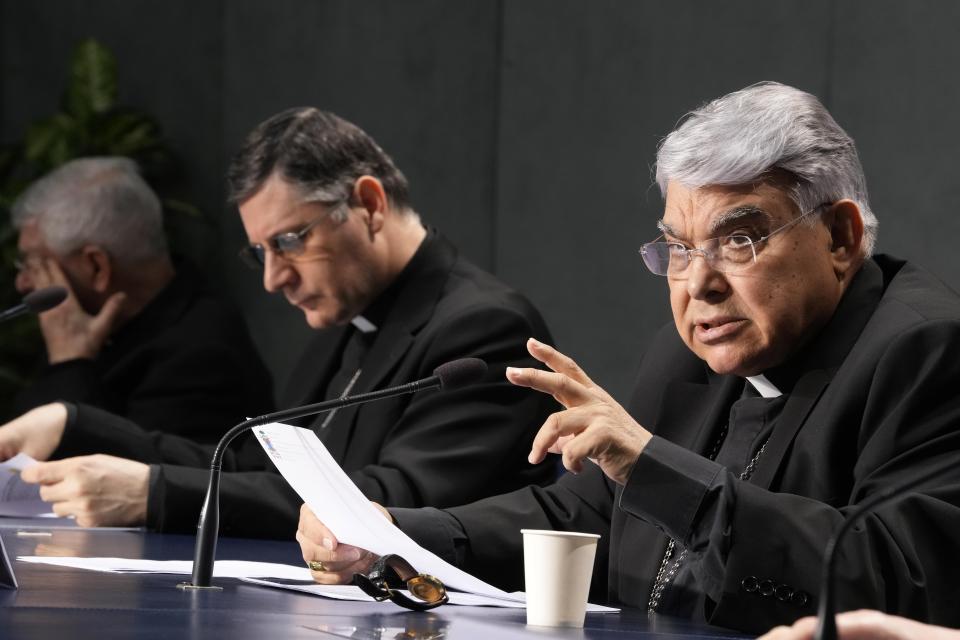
point(527, 128)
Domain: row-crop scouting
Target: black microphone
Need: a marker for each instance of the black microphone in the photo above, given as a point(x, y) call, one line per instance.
point(36, 302)
point(448, 376)
point(826, 610)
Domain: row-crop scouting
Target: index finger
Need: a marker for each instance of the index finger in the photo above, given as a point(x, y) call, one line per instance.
point(559, 362)
point(45, 272)
point(46, 472)
point(55, 272)
point(564, 389)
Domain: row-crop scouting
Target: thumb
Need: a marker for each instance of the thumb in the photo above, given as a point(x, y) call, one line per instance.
point(44, 472)
point(109, 311)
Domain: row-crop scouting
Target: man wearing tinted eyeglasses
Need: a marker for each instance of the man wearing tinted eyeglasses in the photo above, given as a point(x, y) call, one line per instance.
point(329, 223)
point(801, 376)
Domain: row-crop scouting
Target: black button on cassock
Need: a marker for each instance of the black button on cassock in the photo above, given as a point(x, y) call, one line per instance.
point(767, 588)
point(783, 593)
point(749, 584)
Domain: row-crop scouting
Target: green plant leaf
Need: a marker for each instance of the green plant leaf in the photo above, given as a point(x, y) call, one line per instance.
point(92, 87)
point(183, 207)
point(51, 142)
point(128, 135)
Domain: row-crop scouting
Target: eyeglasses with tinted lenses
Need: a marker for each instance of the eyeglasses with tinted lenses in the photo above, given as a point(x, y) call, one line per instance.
point(426, 592)
point(727, 254)
point(286, 245)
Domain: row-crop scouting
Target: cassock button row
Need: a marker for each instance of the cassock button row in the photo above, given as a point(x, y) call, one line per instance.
point(766, 588)
point(783, 593)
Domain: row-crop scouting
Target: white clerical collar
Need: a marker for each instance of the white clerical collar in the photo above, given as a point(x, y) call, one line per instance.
point(364, 325)
point(764, 387)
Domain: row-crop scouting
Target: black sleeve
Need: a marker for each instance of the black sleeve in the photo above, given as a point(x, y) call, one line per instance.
point(71, 381)
point(90, 430)
point(453, 447)
point(484, 537)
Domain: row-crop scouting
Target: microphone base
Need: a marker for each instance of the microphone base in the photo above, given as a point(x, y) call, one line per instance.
point(189, 586)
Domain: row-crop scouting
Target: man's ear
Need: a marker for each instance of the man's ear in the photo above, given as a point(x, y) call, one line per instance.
point(370, 196)
point(845, 224)
point(99, 268)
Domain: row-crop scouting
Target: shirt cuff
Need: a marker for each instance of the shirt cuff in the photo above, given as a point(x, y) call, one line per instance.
point(432, 529)
point(667, 486)
point(155, 497)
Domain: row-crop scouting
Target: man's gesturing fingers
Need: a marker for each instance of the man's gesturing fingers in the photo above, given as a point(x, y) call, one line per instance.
point(558, 361)
point(600, 431)
point(564, 390)
point(558, 429)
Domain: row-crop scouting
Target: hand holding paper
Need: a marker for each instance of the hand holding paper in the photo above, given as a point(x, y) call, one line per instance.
point(330, 562)
point(346, 513)
point(338, 524)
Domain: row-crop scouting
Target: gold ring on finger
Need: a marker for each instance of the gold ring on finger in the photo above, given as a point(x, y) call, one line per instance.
point(316, 565)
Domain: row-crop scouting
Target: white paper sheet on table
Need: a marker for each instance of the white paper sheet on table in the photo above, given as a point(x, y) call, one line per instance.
point(350, 592)
point(259, 573)
point(221, 569)
point(17, 498)
point(316, 477)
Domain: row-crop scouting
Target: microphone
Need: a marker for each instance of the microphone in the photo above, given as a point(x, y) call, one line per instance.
point(448, 376)
point(826, 610)
point(36, 302)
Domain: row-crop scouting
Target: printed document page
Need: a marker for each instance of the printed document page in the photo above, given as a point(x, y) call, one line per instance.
point(338, 503)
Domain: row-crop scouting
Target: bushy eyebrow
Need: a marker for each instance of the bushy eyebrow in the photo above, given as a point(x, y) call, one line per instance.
point(724, 220)
point(738, 214)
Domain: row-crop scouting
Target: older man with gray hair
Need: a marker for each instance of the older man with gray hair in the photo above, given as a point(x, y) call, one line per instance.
point(801, 376)
point(136, 336)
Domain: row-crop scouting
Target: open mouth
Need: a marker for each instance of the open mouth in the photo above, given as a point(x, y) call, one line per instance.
point(718, 329)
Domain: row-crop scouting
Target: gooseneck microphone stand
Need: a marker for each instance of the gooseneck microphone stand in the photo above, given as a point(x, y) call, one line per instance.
point(447, 376)
point(826, 610)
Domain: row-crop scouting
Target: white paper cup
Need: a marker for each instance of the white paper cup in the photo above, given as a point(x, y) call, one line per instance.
point(557, 567)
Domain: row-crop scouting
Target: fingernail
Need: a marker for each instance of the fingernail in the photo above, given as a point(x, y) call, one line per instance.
point(354, 555)
point(535, 343)
point(328, 543)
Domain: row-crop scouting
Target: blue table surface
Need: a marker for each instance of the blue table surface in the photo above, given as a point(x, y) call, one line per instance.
point(60, 602)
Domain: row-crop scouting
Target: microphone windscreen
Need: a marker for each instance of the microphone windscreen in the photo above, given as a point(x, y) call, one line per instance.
point(43, 299)
point(460, 373)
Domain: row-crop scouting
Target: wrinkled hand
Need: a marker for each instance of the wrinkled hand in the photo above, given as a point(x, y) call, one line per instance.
point(593, 426)
point(866, 625)
point(68, 331)
point(341, 561)
point(36, 433)
point(98, 490)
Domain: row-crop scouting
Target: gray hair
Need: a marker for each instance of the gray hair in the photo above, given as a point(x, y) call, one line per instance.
point(765, 129)
point(317, 152)
point(101, 201)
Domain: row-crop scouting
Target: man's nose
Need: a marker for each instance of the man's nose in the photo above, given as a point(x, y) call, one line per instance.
point(703, 280)
point(277, 272)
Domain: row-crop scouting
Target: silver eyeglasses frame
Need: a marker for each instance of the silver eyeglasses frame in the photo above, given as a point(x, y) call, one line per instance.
point(289, 244)
point(726, 254)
